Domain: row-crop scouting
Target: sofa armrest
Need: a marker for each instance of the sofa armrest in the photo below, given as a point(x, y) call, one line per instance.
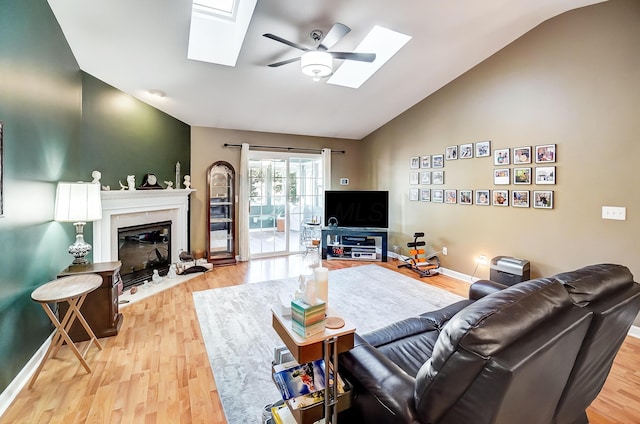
point(482, 288)
point(440, 317)
point(399, 330)
point(384, 393)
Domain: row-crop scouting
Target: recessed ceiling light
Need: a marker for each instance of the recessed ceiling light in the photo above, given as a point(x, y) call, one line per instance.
point(381, 41)
point(156, 92)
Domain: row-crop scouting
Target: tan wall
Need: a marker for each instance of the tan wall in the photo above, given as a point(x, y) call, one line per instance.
point(573, 81)
point(207, 146)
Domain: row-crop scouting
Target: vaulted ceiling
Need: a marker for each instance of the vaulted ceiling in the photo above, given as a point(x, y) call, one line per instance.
point(140, 45)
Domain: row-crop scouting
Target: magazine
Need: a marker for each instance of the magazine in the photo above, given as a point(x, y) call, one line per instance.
point(300, 379)
point(316, 397)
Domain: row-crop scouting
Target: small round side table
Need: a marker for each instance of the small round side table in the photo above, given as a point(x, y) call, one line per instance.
point(73, 290)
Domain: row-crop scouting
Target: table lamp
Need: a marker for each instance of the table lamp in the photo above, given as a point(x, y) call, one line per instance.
point(78, 203)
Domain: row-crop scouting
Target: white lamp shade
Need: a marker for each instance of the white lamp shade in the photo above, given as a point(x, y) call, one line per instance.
point(316, 64)
point(78, 202)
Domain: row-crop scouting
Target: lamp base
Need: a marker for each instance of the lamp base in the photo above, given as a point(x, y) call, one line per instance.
point(80, 248)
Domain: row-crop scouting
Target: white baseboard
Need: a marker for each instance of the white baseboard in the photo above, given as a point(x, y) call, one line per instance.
point(22, 379)
point(634, 331)
point(457, 275)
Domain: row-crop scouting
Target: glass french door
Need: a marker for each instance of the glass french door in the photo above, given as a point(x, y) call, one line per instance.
point(286, 192)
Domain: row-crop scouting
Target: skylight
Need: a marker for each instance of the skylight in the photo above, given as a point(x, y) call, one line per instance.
point(216, 7)
point(218, 28)
point(381, 41)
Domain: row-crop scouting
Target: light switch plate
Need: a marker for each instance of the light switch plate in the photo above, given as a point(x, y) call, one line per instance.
point(344, 181)
point(614, 212)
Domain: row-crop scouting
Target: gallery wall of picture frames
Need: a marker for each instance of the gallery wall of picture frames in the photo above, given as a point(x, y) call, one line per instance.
point(518, 166)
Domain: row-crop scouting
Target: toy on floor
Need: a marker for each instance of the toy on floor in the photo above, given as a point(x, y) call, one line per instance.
point(425, 266)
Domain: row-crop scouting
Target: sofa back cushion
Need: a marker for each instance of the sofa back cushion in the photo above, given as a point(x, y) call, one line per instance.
point(609, 292)
point(529, 324)
point(594, 282)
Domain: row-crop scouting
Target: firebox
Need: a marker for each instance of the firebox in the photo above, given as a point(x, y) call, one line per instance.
point(143, 249)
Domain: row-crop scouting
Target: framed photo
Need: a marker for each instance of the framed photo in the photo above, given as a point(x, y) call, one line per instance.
point(413, 194)
point(437, 161)
point(483, 149)
point(414, 162)
point(425, 161)
point(437, 196)
point(437, 177)
point(482, 197)
point(466, 151)
point(522, 175)
point(1, 169)
point(545, 174)
point(414, 178)
point(501, 157)
point(500, 197)
point(546, 153)
point(425, 195)
point(451, 152)
point(543, 199)
point(465, 197)
point(521, 155)
point(501, 176)
point(520, 198)
point(425, 177)
point(450, 196)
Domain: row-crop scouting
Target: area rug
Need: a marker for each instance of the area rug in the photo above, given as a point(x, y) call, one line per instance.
point(236, 326)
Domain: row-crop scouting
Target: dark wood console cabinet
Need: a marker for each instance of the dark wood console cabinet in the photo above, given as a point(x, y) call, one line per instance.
point(100, 308)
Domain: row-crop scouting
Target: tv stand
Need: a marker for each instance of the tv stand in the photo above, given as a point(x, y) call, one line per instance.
point(354, 243)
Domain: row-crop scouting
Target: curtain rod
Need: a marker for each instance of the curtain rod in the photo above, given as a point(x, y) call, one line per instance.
point(283, 148)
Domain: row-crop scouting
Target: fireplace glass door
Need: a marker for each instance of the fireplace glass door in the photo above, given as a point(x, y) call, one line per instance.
point(221, 214)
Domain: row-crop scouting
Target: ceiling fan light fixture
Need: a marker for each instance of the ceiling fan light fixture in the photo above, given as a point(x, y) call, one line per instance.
point(316, 64)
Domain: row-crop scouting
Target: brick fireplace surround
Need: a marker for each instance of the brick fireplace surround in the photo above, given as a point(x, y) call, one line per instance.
point(126, 208)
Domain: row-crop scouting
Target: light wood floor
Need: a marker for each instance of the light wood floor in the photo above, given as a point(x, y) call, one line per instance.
point(156, 369)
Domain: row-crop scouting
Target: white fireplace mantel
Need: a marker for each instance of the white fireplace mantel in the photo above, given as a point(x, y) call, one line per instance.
point(126, 208)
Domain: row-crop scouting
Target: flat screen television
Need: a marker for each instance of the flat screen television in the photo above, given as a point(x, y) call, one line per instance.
point(356, 208)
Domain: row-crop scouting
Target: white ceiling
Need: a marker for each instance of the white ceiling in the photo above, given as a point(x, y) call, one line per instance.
point(137, 45)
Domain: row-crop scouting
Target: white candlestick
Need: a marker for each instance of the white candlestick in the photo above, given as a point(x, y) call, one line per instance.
point(321, 277)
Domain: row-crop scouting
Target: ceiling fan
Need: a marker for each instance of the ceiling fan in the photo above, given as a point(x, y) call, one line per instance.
point(318, 62)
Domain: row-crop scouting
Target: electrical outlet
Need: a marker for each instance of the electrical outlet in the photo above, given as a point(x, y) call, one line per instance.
point(444, 251)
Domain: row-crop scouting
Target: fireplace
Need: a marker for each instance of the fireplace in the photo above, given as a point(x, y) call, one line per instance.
point(135, 209)
point(143, 249)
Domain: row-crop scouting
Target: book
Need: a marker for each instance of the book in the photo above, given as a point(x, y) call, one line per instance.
point(306, 314)
point(282, 415)
point(300, 379)
point(307, 330)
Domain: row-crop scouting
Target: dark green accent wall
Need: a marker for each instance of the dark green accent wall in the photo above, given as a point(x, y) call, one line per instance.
point(123, 136)
point(59, 124)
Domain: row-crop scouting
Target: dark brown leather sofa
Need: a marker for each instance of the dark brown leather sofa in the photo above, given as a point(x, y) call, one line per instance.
point(536, 352)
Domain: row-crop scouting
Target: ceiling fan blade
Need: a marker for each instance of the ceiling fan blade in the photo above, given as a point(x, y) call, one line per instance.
point(284, 62)
point(287, 42)
point(362, 57)
point(334, 35)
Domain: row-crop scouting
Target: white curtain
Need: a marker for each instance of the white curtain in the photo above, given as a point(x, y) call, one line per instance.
point(326, 168)
point(243, 204)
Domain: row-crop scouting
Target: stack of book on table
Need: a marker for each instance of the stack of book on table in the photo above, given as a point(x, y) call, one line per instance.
point(307, 320)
